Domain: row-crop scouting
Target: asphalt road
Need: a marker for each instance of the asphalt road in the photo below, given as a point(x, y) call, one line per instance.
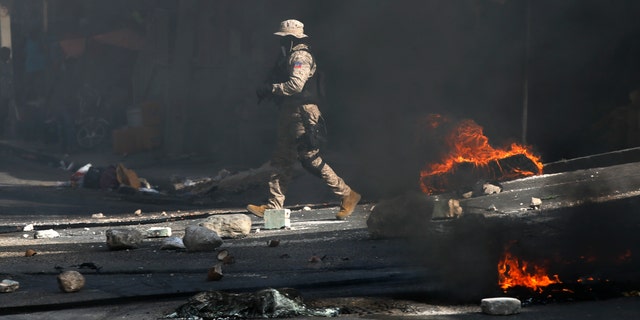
point(372, 278)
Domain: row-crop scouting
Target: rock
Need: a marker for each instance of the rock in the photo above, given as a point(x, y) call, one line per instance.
point(30, 253)
point(28, 227)
point(71, 281)
point(500, 306)
point(9, 285)
point(214, 273)
point(404, 216)
point(97, 216)
point(46, 234)
point(198, 238)
point(535, 203)
point(158, 232)
point(229, 225)
point(138, 212)
point(118, 239)
point(172, 243)
point(489, 188)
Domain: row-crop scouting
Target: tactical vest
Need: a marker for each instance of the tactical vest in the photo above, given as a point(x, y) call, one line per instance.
point(310, 92)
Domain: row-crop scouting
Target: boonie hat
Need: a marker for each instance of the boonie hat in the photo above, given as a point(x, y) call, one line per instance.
point(291, 27)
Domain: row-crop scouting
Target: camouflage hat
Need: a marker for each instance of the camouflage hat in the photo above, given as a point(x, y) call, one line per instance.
point(291, 28)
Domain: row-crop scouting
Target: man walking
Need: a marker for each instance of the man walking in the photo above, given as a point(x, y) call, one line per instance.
point(295, 88)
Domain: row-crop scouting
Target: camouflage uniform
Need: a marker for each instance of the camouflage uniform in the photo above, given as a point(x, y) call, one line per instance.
point(294, 87)
point(292, 129)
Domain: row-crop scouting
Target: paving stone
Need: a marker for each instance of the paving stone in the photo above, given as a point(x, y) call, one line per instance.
point(500, 306)
point(158, 232)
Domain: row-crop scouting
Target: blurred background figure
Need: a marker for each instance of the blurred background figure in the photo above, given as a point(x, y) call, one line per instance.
point(7, 103)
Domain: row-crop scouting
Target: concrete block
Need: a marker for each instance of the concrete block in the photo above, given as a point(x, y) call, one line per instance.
point(277, 218)
point(500, 306)
point(158, 232)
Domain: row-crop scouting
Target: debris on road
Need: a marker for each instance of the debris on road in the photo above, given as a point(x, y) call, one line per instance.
point(158, 232)
point(172, 243)
point(198, 238)
point(30, 253)
point(9, 285)
point(273, 243)
point(267, 303)
point(119, 239)
point(500, 306)
point(46, 234)
point(277, 218)
point(71, 281)
point(97, 216)
point(229, 225)
point(215, 273)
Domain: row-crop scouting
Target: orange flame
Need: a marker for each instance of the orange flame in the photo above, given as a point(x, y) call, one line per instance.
point(513, 272)
point(467, 143)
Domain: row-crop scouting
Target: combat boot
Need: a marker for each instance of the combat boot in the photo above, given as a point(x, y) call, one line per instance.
point(348, 204)
point(258, 210)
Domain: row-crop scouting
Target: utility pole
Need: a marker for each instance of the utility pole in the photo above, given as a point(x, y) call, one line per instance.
point(525, 84)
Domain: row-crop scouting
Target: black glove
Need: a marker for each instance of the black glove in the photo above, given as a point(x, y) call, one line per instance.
point(264, 91)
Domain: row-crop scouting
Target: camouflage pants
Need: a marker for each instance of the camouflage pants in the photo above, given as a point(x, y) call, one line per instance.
point(290, 146)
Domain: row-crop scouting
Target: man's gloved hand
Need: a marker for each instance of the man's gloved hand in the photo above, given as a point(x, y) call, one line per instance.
point(264, 91)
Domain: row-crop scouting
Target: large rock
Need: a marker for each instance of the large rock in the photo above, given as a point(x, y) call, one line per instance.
point(229, 225)
point(404, 216)
point(500, 306)
point(198, 238)
point(119, 239)
point(71, 281)
point(8, 285)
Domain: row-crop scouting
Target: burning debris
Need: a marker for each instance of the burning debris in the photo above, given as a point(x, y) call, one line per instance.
point(515, 272)
point(471, 158)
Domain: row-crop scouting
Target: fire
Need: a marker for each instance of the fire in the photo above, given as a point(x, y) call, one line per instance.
point(468, 144)
point(513, 272)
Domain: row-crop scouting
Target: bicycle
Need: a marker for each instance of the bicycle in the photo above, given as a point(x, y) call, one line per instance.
point(91, 130)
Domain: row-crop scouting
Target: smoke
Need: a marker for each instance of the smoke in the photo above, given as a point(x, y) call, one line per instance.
point(388, 65)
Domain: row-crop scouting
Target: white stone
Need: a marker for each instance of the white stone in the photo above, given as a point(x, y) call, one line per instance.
point(71, 281)
point(158, 232)
point(46, 234)
point(277, 218)
point(9, 285)
point(535, 203)
point(500, 306)
point(198, 238)
point(491, 189)
point(172, 243)
point(229, 225)
point(28, 227)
